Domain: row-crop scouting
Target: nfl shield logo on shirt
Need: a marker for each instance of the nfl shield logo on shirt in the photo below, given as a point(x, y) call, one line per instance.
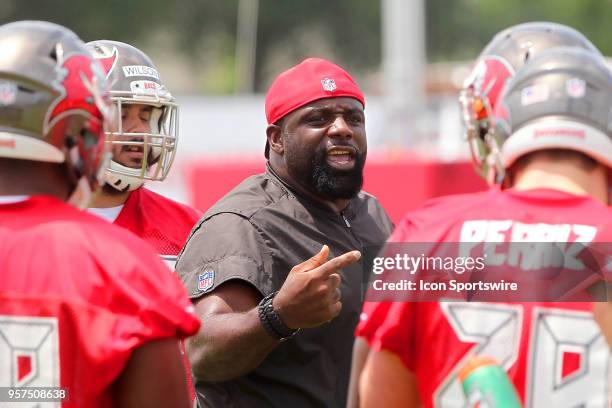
point(206, 280)
point(329, 84)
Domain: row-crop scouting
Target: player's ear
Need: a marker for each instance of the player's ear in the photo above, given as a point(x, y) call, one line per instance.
point(274, 133)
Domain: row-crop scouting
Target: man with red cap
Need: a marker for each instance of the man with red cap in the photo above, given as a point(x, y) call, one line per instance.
point(277, 265)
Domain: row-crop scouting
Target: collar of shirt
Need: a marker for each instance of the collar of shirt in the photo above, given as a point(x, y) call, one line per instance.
point(12, 199)
point(308, 202)
point(110, 214)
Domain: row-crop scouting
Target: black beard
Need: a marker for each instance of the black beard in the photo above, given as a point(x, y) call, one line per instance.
point(332, 183)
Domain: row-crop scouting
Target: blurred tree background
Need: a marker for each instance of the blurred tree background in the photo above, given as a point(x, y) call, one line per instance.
point(193, 42)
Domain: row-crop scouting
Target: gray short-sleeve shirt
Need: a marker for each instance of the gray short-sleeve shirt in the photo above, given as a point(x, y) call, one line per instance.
point(256, 234)
point(239, 255)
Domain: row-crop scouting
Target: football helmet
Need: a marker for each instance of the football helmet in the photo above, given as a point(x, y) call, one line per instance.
point(53, 102)
point(561, 99)
point(496, 64)
point(133, 79)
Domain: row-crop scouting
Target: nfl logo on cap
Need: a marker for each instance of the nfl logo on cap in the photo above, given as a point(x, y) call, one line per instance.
point(206, 280)
point(329, 84)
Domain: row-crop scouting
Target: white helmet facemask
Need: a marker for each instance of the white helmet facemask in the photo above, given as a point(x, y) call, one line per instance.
point(158, 145)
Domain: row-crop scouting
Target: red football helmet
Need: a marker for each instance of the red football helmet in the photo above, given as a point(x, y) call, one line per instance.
point(496, 64)
point(53, 102)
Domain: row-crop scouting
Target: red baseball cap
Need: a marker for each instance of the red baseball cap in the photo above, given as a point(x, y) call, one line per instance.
point(308, 81)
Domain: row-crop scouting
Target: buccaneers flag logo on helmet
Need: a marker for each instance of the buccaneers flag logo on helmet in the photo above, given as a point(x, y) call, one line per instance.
point(108, 62)
point(80, 108)
point(487, 82)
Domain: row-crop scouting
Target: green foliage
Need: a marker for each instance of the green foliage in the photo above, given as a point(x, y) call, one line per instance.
point(202, 32)
point(458, 29)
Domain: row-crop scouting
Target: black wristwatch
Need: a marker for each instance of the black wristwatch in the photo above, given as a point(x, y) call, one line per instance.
point(271, 321)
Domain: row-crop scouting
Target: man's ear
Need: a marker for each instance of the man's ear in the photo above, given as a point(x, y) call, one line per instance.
point(275, 139)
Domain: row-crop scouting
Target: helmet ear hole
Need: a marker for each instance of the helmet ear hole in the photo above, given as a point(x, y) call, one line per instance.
point(527, 55)
point(70, 141)
point(53, 53)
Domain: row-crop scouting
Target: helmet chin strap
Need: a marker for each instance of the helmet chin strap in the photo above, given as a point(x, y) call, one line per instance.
point(123, 182)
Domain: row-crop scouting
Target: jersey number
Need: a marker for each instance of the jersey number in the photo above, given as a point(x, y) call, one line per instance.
point(29, 353)
point(555, 334)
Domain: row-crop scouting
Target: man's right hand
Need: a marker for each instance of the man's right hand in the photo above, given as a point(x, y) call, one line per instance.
point(311, 293)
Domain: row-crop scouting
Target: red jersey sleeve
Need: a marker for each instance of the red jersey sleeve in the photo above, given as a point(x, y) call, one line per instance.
point(147, 297)
point(372, 316)
point(137, 296)
point(396, 332)
point(375, 314)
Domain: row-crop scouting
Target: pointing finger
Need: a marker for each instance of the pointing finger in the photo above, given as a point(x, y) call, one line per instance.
point(337, 263)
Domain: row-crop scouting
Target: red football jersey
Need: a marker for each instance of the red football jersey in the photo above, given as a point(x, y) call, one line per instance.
point(165, 224)
point(77, 296)
point(162, 222)
point(553, 352)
